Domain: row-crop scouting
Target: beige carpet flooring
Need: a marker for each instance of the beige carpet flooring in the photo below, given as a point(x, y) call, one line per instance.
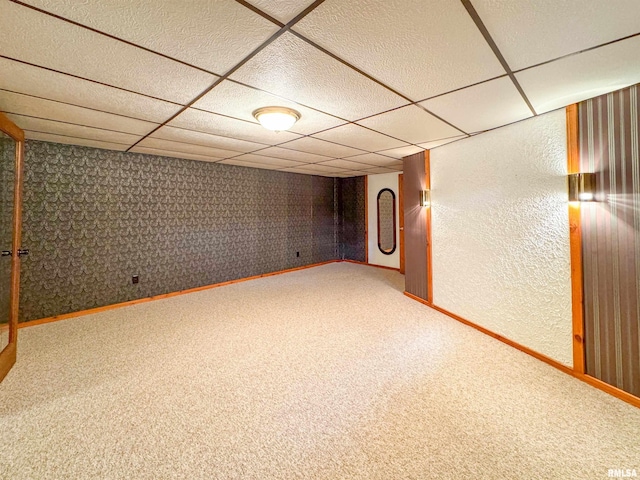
point(325, 373)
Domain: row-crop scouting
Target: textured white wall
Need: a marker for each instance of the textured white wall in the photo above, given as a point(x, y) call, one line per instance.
point(375, 183)
point(501, 233)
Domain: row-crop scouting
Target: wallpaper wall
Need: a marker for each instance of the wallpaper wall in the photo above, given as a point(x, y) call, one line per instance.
point(500, 233)
point(351, 205)
point(609, 145)
point(93, 218)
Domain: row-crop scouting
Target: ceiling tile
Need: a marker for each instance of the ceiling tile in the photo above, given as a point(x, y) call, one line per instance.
point(481, 107)
point(401, 152)
point(48, 137)
point(282, 10)
point(320, 147)
point(528, 33)
point(359, 137)
point(270, 161)
point(340, 163)
point(186, 148)
point(167, 153)
point(304, 171)
point(420, 48)
point(375, 160)
point(582, 76)
point(47, 109)
point(295, 70)
point(238, 101)
point(205, 139)
point(193, 119)
point(28, 35)
point(245, 163)
point(378, 170)
point(303, 157)
point(211, 35)
point(40, 82)
point(350, 173)
point(70, 130)
point(312, 167)
point(411, 124)
point(438, 143)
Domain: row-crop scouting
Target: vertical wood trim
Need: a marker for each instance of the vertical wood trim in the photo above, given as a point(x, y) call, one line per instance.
point(8, 354)
point(427, 181)
point(366, 219)
point(401, 219)
point(17, 240)
point(10, 128)
point(575, 242)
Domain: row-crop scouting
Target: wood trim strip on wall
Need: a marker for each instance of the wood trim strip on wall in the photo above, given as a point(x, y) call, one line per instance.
point(575, 244)
point(80, 313)
point(427, 180)
point(89, 311)
point(594, 382)
point(366, 219)
point(16, 242)
point(8, 352)
point(372, 265)
point(11, 128)
point(401, 219)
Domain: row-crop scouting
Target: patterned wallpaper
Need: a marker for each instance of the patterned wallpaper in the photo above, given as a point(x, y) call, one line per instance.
point(609, 145)
point(93, 218)
point(351, 207)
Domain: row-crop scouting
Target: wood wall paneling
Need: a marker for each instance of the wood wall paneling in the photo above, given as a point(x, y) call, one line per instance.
point(609, 146)
point(366, 219)
point(415, 171)
point(401, 219)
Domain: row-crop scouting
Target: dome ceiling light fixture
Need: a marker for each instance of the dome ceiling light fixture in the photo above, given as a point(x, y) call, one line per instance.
point(277, 119)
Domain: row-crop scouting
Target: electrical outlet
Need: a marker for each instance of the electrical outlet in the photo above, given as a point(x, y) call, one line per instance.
point(135, 279)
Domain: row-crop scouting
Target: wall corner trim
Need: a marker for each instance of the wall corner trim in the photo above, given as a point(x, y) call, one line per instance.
point(575, 244)
point(594, 382)
point(427, 181)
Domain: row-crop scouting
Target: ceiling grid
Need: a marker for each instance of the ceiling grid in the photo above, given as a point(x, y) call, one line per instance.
point(374, 81)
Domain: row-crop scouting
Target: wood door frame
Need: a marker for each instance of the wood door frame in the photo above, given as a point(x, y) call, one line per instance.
point(401, 219)
point(8, 354)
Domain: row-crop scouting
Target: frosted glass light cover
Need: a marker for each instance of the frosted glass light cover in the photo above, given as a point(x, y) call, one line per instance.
point(277, 119)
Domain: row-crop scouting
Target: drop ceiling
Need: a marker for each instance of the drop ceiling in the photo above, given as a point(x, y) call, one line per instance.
point(374, 80)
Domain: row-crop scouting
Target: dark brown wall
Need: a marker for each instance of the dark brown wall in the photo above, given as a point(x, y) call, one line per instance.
point(351, 205)
point(93, 218)
point(609, 133)
point(415, 226)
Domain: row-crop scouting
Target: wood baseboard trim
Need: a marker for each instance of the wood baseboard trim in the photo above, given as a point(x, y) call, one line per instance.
point(418, 299)
point(65, 316)
point(371, 265)
point(594, 382)
point(610, 389)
